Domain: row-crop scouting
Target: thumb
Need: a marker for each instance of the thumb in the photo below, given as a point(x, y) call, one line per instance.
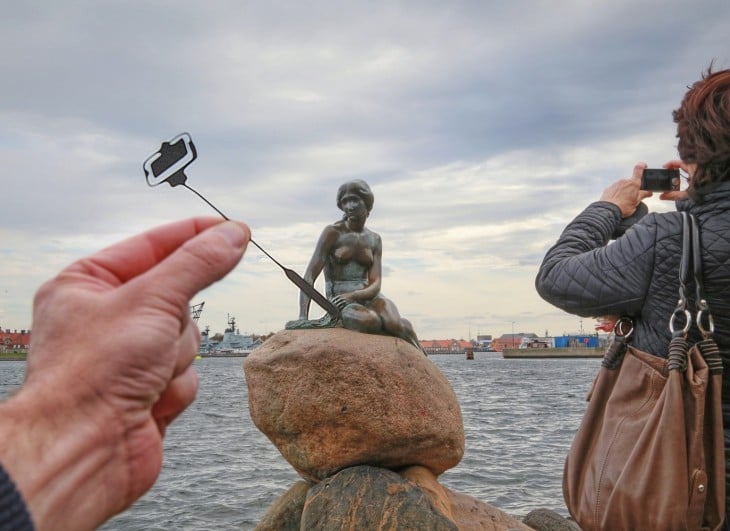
point(198, 263)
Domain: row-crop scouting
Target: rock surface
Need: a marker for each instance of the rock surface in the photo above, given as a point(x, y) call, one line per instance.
point(424, 479)
point(547, 520)
point(470, 513)
point(361, 498)
point(370, 423)
point(334, 398)
point(285, 514)
point(365, 497)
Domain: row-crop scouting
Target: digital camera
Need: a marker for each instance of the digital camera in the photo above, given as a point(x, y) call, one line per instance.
point(660, 180)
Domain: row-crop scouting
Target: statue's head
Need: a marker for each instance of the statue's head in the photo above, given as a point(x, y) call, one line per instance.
point(359, 188)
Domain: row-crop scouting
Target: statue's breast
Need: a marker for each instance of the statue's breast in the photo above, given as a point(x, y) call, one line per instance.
point(353, 248)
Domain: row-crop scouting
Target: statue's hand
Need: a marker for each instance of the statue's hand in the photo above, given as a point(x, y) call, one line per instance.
point(340, 301)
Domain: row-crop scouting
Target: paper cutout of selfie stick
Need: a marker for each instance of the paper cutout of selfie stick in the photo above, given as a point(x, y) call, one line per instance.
point(168, 165)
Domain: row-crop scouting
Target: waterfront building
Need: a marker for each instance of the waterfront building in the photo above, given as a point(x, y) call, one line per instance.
point(511, 340)
point(445, 346)
point(14, 341)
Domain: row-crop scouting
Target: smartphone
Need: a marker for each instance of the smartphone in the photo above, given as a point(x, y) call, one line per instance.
point(660, 180)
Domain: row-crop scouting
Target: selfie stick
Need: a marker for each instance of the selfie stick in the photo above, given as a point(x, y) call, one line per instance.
point(168, 165)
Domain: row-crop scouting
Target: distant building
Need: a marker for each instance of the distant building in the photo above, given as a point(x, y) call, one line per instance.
point(445, 346)
point(14, 341)
point(484, 342)
point(578, 340)
point(511, 340)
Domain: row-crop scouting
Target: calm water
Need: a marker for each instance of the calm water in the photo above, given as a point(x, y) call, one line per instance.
point(221, 473)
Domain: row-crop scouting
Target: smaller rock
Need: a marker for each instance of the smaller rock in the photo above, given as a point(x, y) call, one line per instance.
point(285, 514)
point(470, 513)
point(547, 520)
point(427, 482)
point(365, 497)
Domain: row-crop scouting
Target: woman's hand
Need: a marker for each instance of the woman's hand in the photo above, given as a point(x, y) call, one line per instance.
point(677, 195)
point(626, 193)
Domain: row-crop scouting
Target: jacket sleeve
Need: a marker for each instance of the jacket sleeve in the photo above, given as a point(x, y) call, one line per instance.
point(586, 275)
point(14, 515)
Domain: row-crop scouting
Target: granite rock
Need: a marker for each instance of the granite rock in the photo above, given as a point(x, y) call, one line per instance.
point(335, 398)
point(424, 479)
point(365, 497)
point(547, 520)
point(470, 513)
point(285, 514)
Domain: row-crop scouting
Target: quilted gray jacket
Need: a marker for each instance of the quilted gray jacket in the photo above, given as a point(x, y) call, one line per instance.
point(637, 274)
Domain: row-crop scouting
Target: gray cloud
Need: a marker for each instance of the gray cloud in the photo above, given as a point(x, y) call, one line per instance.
point(482, 128)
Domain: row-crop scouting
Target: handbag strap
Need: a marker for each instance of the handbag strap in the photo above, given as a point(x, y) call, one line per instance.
point(690, 266)
point(678, 346)
point(681, 313)
point(701, 305)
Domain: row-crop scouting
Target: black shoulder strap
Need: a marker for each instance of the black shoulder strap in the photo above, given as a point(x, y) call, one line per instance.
point(703, 317)
point(681, 314)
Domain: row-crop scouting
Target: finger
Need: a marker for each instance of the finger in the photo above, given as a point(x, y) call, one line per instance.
point(127, 259)
point(638, 171)
point(178, 395)
point(187, 346)
point(674, 164)
point(643, 194)
point(196, 264)
point(677, 195)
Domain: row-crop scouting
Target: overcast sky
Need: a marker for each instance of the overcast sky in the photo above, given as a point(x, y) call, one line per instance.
point(483, 127)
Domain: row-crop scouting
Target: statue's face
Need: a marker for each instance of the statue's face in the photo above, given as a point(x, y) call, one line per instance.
point(353, 206)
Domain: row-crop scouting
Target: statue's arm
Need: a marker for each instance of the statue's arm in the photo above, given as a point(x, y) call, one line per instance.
point(376, 270)
point(372, 290)
point(321, 251)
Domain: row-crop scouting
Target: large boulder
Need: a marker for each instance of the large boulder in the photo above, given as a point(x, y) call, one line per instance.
point(335, 398)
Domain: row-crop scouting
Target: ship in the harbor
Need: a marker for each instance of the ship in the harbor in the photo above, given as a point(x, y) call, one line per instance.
point(233, 342)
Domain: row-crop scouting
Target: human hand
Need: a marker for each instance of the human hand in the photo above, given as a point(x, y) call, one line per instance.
point(606, 323)
point(676, 195)
point(109, 369)
point(626, 193)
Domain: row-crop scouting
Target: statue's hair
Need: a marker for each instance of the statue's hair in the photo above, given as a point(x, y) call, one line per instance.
point(703, 127)
point(359, 187)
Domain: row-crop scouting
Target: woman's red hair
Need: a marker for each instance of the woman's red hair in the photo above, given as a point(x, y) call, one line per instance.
point(703, 127)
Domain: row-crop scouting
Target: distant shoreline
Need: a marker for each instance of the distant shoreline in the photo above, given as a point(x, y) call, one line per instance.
point(544, 353)
point(13, 357)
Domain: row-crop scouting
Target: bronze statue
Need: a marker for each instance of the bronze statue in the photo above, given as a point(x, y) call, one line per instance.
point(350, 256)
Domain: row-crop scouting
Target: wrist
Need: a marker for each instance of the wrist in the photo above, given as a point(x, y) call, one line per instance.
point(57, 452)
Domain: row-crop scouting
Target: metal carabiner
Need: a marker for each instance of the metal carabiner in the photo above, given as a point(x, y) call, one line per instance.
point(703, 309)
point(687, 320)
point(621, 323)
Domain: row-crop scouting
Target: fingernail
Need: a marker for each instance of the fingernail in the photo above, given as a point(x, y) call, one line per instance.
point(235, 233)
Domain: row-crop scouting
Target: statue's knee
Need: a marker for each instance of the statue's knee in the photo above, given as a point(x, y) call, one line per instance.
point(357, 317)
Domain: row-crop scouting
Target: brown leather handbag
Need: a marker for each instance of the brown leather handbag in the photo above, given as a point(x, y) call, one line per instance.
point(649, 452)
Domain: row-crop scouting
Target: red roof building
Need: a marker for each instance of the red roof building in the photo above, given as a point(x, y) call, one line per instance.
point(434, 346)
point(510, 340)
point(15, 340)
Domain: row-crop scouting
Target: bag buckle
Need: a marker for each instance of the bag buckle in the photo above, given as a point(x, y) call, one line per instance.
point(680, 310)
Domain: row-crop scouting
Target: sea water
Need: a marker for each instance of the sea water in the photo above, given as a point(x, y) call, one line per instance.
point(221, 473)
